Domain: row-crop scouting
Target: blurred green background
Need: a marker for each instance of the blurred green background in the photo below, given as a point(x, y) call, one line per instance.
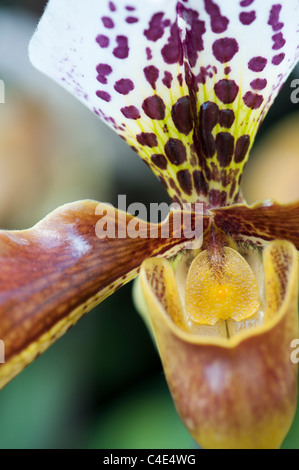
point(101, 385)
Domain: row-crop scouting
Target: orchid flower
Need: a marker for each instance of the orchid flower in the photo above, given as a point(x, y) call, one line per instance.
point(187, 84)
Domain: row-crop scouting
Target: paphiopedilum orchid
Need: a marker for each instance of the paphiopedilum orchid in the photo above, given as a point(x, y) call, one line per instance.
point(186, 84)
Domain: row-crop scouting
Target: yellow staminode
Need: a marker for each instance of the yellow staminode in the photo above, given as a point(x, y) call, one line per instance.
point(223, 290)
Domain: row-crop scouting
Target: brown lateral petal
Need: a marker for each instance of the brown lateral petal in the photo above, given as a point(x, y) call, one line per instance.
point(261, 222)
point(239, 392)
point(55, 272)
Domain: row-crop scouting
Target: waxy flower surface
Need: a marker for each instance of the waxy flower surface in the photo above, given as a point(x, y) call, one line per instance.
point(186, 84)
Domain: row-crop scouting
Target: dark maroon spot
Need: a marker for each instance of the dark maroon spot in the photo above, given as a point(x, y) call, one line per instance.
point(227, 70)
point(147, 139)
point(257, 64)
point(180, 79)
point(112, 7)
point(129, 8)
point(102, 41)
point(253, 100)
point(204, 73)
point(258, 84)
point(277, 59)
point(167, 79)
point(131, 20)
point(154, 107)
point(274, 18)
point(131, 112)
point(208, 116)
point(226, 118)
point(160, 161)
point(182, 116)
point(175, 151)
point(224, 49)
point(193, 41)
point(278, 40)
point(247, 17)
point(200, 183)
point(107, 22)
point(219, 23)
point(156, 27)
point(217, 198)
point(242, 147)
point(103, 71)
point(225, 145)
point(124, 86)
point(185, 181)
point(246, 3)
point(151, 74)
point(172, 52)
point(103, 95)
point(226, 91)
point(122, 49)
point(149, 54)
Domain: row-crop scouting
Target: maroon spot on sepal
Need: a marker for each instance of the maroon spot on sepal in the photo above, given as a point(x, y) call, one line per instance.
point(122, 49)
point(151, 74)
point(278, 40)
point(253, 100)
point(103, 95)
point(131, 20)
point(258, 84)
point(200, 183)
point(219, 23)
point(160, 161)
point(103, 71)
point(208, 118)
point(131, 112)
point(124, 86)
point(217, 198)
point(247, 17)
point(224, 49)
point(257, 64)
point(156, 27)
point(103, 41)
point(242, 147)
point(147, 139)
point(107, 22)
point(112, 7)
point(149, 54)
point(226, 118)
point(154, 107)
point(246, 3)
point(185, 181)
point(172, 52)
point(175, 151)
point(225, 145)
point(274, 18)
point(182, 116)
point(277, 59)
point(226, 91)
point(167, 79)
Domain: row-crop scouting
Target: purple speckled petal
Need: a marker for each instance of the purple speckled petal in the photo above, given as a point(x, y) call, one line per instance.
point(186, 83)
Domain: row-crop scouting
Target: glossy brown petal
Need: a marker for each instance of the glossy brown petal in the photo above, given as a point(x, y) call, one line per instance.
point(55, 272)
point(237, 392)
point(261, 222)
